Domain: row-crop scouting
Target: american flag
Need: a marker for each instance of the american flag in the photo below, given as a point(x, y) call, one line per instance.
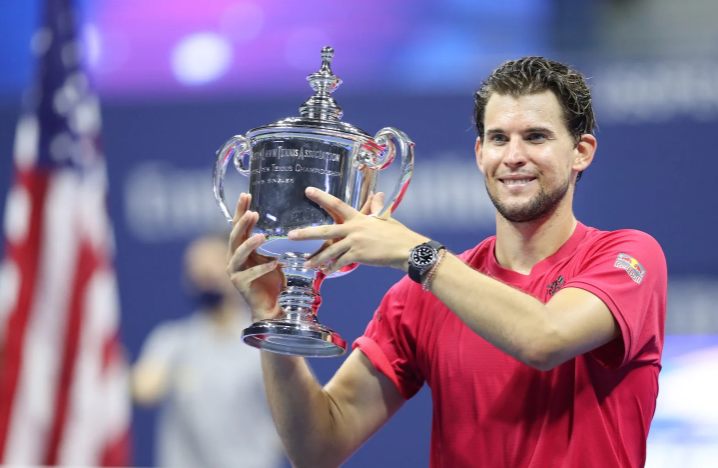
point(64, 395)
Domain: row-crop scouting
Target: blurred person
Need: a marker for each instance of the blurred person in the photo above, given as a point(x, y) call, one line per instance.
point(214, 413)
point(542, 345)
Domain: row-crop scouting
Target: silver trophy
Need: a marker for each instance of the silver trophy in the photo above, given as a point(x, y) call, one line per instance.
point(281, 160)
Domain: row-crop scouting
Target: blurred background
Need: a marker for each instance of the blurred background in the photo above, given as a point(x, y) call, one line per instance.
point(176, 78)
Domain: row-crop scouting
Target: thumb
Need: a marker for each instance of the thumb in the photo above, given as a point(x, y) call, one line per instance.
point(377, 203)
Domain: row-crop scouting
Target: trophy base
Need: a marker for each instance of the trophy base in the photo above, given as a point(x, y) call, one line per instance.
point(308, 339)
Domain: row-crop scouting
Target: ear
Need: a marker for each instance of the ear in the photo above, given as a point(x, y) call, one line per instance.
point(583, 154)
point(479, 158)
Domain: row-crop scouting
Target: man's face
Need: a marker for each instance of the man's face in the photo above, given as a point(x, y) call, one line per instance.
point(526, 155)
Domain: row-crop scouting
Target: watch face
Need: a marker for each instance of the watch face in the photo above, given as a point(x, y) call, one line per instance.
point(423, 256)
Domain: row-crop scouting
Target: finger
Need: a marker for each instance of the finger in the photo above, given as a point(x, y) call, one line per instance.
point(330, 253)
point(366, 209)
point(244, 228)
point(251, 222)
point(241, 254)
point(241, 209)
point(242, 280)
point(331, 203)
point(323, 247)
point(239, 231)
point(339, 263)
point(377, 203)
point(242, 206)
point(338, 219)
point(334, 231)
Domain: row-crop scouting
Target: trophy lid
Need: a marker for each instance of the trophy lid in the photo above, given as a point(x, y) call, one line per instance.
point(320, 111)
point(322, 106)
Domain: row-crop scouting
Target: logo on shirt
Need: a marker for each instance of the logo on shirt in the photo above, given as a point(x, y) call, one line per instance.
point(556, 286)
point(634, 269)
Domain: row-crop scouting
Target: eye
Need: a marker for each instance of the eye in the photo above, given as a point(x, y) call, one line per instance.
point(498, 138)
point(536, 137)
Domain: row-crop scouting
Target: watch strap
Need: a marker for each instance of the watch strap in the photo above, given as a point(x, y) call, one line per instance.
point(414, 272)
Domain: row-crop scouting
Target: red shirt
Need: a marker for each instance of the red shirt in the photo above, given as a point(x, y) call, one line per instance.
point(491, 410)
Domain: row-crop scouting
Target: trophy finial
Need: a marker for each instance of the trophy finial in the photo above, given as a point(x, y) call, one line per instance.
point(327, 56)
point(322, 105)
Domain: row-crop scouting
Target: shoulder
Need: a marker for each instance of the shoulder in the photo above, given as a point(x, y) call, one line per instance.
point(623, 247)
point(628, 238)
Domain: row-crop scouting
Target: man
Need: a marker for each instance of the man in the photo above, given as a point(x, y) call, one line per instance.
point(215, 414)
point(541, 345)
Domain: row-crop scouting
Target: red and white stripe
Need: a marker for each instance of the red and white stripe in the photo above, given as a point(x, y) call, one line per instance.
point(64, 395)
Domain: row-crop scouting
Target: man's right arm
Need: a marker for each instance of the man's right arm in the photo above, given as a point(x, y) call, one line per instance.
point(322, 427)
point(319, 426)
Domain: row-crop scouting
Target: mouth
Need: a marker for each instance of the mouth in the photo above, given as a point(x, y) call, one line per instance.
point(513, 182)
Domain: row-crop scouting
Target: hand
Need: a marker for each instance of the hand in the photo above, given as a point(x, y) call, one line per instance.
point(255, 276)
point(358, 237)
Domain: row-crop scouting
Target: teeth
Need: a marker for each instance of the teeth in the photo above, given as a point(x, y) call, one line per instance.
point(516, 181)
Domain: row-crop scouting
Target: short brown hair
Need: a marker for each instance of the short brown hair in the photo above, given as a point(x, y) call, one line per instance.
point(531, 75)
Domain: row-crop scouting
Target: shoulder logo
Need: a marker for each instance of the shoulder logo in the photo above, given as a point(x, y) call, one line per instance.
point(634, 269)
point(556, 286)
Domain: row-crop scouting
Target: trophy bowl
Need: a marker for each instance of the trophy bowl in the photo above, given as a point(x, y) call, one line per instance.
point(281, 160)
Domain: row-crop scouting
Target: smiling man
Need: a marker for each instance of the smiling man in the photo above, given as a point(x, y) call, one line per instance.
point(541, 345)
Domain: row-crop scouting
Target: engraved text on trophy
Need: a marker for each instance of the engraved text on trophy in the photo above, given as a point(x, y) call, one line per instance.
point(281, 170)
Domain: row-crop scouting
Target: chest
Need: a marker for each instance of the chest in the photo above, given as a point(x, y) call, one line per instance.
point(473, 382)
point(452, 352)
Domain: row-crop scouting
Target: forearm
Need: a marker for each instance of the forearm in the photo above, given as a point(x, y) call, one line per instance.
point(302, 412)
point(511, 320)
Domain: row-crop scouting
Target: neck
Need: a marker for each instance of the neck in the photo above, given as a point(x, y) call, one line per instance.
point(520, 246)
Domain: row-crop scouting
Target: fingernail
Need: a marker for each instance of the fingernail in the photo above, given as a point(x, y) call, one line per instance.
point(292, 234)
point(310, 190)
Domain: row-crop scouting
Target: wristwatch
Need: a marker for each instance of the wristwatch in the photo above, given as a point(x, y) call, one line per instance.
point(422, 258)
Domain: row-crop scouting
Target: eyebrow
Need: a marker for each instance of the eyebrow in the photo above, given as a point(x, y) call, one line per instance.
point(496, 131)
point(539, 130)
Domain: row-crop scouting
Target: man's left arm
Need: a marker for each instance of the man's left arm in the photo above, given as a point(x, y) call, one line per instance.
point(540, 335)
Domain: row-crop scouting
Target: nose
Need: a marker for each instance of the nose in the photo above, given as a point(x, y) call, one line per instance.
point(516, 154)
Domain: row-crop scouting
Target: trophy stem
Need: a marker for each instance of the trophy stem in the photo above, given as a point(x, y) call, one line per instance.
point(297, 332)
point(300, 294)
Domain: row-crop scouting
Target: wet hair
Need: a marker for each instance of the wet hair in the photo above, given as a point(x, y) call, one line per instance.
point(532, 75)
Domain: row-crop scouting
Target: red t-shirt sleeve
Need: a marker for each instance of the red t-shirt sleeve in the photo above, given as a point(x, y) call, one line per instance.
point(390, 338)
point(627, 271)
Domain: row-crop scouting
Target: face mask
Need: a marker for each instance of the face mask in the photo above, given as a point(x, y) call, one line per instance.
point(207, 298)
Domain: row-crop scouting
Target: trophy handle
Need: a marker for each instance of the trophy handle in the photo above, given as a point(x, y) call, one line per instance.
point(235, 148)
point(385, 138)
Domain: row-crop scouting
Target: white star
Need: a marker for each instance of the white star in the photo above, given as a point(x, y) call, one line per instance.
point(85, 117)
